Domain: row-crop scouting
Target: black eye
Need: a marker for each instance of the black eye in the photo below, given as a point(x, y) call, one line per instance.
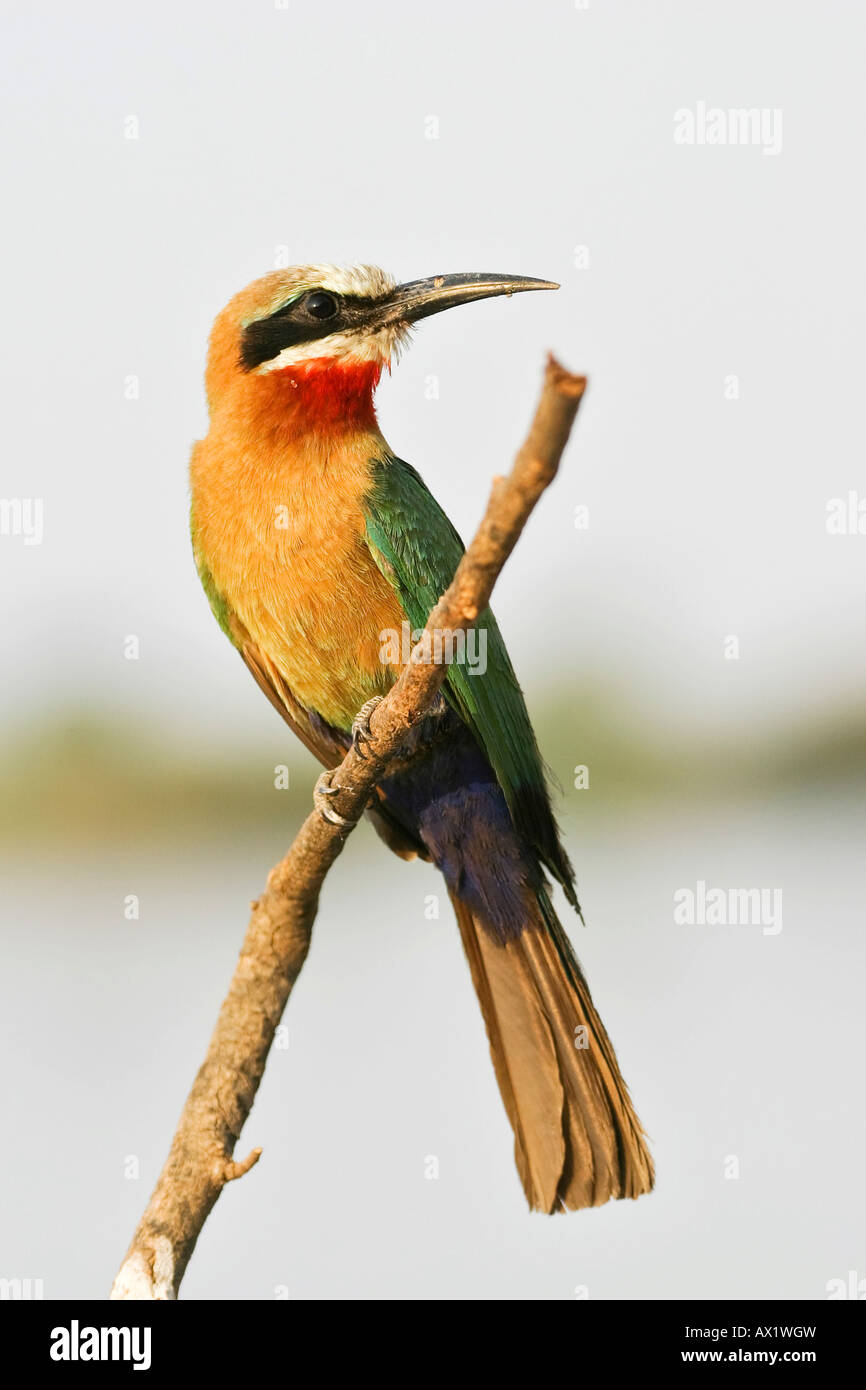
point(321, 305)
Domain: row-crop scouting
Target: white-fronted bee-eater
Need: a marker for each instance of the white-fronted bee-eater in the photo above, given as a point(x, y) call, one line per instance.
point(312, 540)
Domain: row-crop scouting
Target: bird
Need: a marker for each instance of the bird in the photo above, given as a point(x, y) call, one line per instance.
point(312, 539)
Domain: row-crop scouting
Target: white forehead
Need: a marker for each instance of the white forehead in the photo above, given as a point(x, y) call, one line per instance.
point(352, 279)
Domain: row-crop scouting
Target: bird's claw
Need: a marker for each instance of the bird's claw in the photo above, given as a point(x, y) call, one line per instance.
point(361, 731)
point(321, 792)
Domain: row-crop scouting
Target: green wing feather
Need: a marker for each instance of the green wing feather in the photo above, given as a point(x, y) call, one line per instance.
point(418, 550)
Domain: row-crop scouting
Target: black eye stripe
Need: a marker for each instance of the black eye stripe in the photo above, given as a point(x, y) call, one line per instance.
point(294, 324)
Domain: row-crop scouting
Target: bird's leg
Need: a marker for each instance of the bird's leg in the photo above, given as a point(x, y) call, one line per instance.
point(321, 792)
point(361, 734)
point(361, 731)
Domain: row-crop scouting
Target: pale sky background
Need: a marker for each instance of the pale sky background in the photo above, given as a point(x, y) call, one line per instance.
point(261, 128)
point(305, 127)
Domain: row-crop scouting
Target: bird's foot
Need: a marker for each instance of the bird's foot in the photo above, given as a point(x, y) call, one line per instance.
point(322, 793)
point(361, 731)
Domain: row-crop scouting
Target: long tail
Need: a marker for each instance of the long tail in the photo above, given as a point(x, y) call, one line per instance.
point(577, 1139)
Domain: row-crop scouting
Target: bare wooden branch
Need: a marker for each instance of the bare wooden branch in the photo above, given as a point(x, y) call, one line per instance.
point(200, 1161)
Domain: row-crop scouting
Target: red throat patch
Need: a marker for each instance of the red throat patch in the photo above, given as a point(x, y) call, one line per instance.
point(325, 393)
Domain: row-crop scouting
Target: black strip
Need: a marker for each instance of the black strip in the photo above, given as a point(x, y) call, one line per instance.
point(265, 339)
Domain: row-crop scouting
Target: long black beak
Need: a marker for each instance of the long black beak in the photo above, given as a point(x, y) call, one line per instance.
point(420, 298)
point(301, 320)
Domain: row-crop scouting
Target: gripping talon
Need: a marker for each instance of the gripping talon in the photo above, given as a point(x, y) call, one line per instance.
point(321, 792)
point(361, 731)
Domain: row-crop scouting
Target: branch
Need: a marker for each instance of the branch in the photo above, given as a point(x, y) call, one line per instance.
point(200, 1161)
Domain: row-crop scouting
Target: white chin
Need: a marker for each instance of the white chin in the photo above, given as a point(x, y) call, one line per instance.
point(380, 346)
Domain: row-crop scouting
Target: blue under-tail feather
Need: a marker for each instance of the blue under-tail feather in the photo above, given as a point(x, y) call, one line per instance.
point(446, 794)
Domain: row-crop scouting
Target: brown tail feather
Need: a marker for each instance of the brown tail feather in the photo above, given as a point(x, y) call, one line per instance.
point(577, 1140)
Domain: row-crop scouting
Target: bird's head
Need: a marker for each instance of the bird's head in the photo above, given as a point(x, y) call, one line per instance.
point(314, 339)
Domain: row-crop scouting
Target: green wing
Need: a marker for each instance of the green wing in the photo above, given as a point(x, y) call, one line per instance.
point(418, 550)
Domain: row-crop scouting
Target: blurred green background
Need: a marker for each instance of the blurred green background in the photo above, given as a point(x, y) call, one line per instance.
point(85, 777)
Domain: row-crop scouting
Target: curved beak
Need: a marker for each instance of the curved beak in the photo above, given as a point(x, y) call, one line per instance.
point(419, 298)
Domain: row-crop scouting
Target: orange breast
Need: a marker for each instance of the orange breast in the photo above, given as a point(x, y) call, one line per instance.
point(280, 527)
